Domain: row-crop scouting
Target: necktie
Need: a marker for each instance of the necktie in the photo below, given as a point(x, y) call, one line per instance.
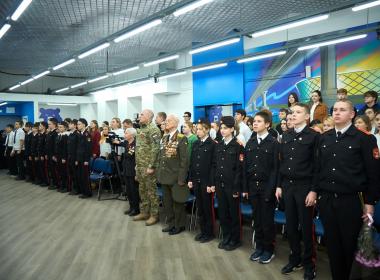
point(14, 139)
point(260, 139)
point(338, 135)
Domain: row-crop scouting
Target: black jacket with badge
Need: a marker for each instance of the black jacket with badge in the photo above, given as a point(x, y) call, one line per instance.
point(228, 165)
point(299, 158)
point(50, 143)
point(84, 147)
point(41, 145)
point(28, 143)
point(261, 163)
point(129, 159)
point(72, 142)
point(202, 155)
point(34, 145)
point(173, 160)
point(61, 146)
point(350, 164)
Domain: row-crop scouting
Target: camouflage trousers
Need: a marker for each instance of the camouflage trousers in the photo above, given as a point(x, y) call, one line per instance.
point(148, 192)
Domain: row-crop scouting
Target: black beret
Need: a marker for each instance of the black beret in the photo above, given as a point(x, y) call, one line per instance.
point(228, 121)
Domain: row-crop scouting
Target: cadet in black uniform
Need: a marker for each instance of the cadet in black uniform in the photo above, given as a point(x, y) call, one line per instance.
point(50, 145)
point(33, 157)
point(41, 151)
point(72, 142)
point(129, 171)
point(60, 156)
point(297, 182)
point(227, 180)
point(27, 151)
point(200, 179)
point(82, 160)
point(349, 165)
point(261, 162)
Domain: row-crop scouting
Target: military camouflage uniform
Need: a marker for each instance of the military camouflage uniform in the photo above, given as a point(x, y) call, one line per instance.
point(147, 147)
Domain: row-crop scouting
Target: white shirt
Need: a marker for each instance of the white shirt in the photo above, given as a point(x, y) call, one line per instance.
point(378, 140)
point(245, 131)
point(212, 133)
point(344, 129)
point(105, 149)
point(241, 139)
point(19, 135)
point(299, 129)
point(9, 140)
point(262, 137)
point(204, 139)
point(171, 134)
point(312, 111)
point(227, 142)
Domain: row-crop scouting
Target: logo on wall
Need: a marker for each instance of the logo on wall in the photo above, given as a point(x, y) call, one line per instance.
point(46, 114)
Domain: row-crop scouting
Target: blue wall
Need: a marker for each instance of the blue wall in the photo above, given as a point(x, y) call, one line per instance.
point(218, 86)
point(21, 109)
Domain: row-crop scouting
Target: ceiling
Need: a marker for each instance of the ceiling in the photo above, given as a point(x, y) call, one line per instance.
point(51, 31)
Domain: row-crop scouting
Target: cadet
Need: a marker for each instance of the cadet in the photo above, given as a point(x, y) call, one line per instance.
point(42, 164)
point(227, 181)
point(147, 148)
point(129, 171)
point(261, 161)
point(297, 183)
point(27, 145)
point(82, 160)
point(60, 156)
point(349, 165)
point(33, 157)
point(50, 143)
point(200, 180)
point(72, 142)
point(173, 163)
point(18, 149)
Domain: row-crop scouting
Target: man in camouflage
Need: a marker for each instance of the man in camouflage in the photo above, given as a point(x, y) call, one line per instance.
point(147, 147)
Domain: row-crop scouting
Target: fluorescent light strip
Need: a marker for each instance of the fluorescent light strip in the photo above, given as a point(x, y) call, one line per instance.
point(41, 75)
point(3, 103)
point(78, 85)
point(125, 70)
point(209, 67)
point(172, 75)
point(20, 9)
point(27, 81)
point(138, 30)
point(61, 104)
point(4, 29)
point(14, 87)
point(172, 57)
point(59, 66)
point(143, 82)
point(290, 25)
point(332, 42)
point(94, 50)
point(214, 46)
point(258, 57)
point(365, 6)
point(62, 89)
point(191, 7)
point(98, 79)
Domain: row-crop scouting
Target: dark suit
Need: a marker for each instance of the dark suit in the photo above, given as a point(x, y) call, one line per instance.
point(42, 164)
point(297, 177)
point(173, 161)
point(129, 172)
point(227, 178)
point(61, 155)
point(348, 165)
point(83, 154)
point(51, 164)
point(72, 142)
point(200, 175)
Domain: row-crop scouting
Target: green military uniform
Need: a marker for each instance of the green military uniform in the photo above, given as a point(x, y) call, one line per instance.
point(173, 163)
point(147, 147)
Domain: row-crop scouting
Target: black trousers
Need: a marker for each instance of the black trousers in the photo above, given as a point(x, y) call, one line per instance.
point(42, 171)
point(132, 189)
point(11, 161)
point(52, 171)
point(62, 171)
point(28, 168)
point(84, 179)
point(175, 212)
point(229, 213)
point(298, 216)
point(20, 164)
point(205, 206)
point(72, 175)
point(341, 219)
point(32, 166)
point(263, 219)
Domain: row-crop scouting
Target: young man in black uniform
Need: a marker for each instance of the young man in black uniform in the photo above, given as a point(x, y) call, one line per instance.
point(60, 156)
point(50, 145)
point(72, 142)
point(261, 162)
point(200, 180)
point(227, 181)
point(33, 157)
point(82, 160)
point(349, 165)
point(41, 151)
point(27, 151)
point(129, 172)
point(297, 184)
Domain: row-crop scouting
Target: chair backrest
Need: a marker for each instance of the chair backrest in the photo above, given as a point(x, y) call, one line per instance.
point(102, 166)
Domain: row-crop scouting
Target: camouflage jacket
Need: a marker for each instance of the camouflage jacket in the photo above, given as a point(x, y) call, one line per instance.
point(147, 146)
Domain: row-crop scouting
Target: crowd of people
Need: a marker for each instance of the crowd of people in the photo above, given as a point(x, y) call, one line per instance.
point(315, 159)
